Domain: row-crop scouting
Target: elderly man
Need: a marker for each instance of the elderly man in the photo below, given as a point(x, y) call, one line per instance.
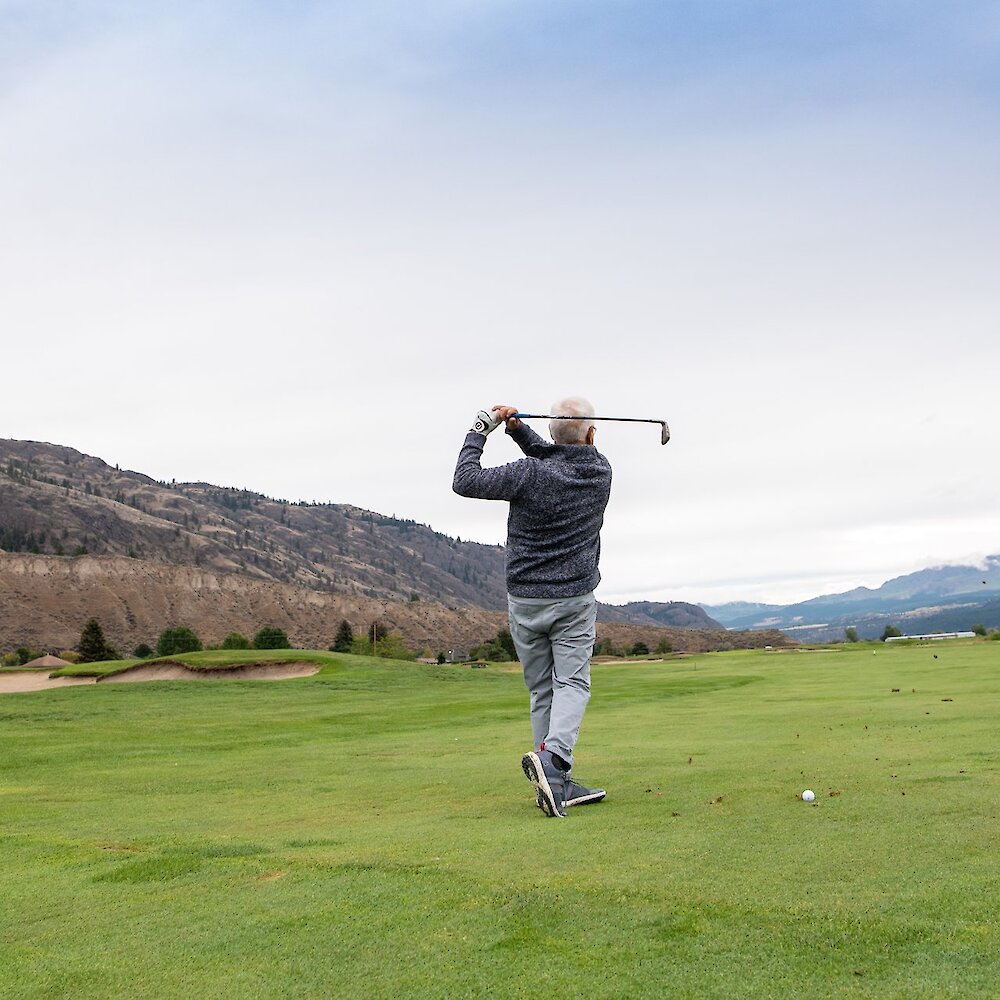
point(557, 495)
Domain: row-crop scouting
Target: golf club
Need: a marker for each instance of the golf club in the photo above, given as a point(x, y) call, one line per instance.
point(664, 429)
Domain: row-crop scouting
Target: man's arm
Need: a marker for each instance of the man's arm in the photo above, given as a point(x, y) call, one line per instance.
point(505, 482)
point(521, 434)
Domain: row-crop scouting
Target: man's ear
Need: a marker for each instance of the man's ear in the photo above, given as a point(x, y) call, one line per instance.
point(590, 435)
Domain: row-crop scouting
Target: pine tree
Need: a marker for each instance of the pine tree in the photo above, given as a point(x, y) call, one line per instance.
point(344, 638)
point(92, 646)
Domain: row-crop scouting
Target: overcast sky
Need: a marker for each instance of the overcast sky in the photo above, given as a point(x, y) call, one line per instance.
point(294, 247)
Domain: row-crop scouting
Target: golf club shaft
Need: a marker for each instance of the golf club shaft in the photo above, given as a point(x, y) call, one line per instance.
point(664, 437)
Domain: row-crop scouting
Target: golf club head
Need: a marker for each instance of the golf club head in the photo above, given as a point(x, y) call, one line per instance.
point(664, 432)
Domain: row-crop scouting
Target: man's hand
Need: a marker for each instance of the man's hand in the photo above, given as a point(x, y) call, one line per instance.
point(485, 422)
point(507, 413)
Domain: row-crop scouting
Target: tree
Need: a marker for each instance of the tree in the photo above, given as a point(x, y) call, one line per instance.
point(143, 651)
point(889, 632)
point(507, 642)
point(392, 647)
point(25, 654)
point(851, 633)
point(344, 637)
point(664, 646)
point(442, 658)
point(491, 650)
point(174, 641)
point(979, 629)
point(271, 637)
point(92, 646)
point(236, 640)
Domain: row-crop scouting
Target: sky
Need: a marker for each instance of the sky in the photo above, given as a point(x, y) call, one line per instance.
point(295, 247)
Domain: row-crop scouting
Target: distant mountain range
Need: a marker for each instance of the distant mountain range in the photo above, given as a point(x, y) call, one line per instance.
point(942, 598)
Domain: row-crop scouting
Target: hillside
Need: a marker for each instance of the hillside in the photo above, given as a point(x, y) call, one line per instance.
point(58, 501)
point(44, 601)
point(79, 537)
point(674, 613)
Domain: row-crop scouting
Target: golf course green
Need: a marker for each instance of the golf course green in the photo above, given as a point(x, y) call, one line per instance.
point(367, 832)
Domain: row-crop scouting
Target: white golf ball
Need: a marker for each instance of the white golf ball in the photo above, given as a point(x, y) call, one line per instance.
point(808, 795)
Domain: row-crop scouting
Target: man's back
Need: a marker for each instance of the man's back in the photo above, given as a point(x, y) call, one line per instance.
point(554, 528)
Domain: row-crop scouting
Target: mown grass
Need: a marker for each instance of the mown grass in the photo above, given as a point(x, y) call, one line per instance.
point(367, 832)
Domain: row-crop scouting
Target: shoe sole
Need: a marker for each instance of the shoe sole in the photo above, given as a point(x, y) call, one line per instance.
point(580, 800)
point(533, 771)
point(585, 800)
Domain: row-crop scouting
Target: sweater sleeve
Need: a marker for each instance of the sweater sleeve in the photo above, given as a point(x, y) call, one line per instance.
point(502, 483)
point(528, 441)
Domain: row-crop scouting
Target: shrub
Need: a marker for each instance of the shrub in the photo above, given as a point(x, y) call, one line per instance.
point(236, 640)
point(143, 651)
point(889, 632)
point(491, 650)
point(9, 660)
point(979, 629)
point(25, 654)
point(639, 649)
point(69, 655)
point(664, 646)
point(174, 641)
point(271, 637)
point(442, 658)
point(393, 647)
point(851, 634)
point(995, 634)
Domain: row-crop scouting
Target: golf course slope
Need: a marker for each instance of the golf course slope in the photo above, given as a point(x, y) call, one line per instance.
point(367, 832)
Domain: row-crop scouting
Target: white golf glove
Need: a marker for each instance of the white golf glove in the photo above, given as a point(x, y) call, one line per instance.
point(485, 422)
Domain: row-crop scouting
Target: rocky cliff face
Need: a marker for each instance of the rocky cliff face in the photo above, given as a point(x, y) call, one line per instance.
point(45, 600)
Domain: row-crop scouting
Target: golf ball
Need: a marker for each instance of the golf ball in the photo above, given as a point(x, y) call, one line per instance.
point(808, 795)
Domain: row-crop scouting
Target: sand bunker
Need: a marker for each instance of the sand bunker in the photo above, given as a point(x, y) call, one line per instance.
point(167, 670)
point(162, 671)
point(16, 683)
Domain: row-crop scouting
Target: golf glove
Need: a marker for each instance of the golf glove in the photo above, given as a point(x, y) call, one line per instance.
point(486, 421)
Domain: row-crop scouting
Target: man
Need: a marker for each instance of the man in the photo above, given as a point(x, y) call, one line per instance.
point(557, 496)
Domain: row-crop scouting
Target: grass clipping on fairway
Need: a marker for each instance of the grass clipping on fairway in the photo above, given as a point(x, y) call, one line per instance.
point(174, 670)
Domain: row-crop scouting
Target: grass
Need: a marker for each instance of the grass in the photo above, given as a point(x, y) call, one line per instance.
point(367, 832)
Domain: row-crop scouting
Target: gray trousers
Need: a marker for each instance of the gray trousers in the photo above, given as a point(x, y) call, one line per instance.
point(554, 639)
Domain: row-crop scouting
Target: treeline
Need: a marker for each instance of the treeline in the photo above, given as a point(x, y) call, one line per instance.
point(93, 646)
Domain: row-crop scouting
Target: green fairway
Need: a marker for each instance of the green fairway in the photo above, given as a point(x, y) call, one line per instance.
point(367, 832)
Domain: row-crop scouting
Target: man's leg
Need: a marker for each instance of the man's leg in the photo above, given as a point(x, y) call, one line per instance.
point(529, 625)
point(534, 650)
point(572, 635)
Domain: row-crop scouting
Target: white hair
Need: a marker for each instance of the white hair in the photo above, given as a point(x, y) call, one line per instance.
point(571, 431)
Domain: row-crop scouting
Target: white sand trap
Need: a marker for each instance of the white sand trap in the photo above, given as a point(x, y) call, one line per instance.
point(18, 683)
point(172, 671)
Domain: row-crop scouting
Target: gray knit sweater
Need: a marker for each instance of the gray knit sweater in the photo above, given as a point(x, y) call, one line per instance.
point(557, 496)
